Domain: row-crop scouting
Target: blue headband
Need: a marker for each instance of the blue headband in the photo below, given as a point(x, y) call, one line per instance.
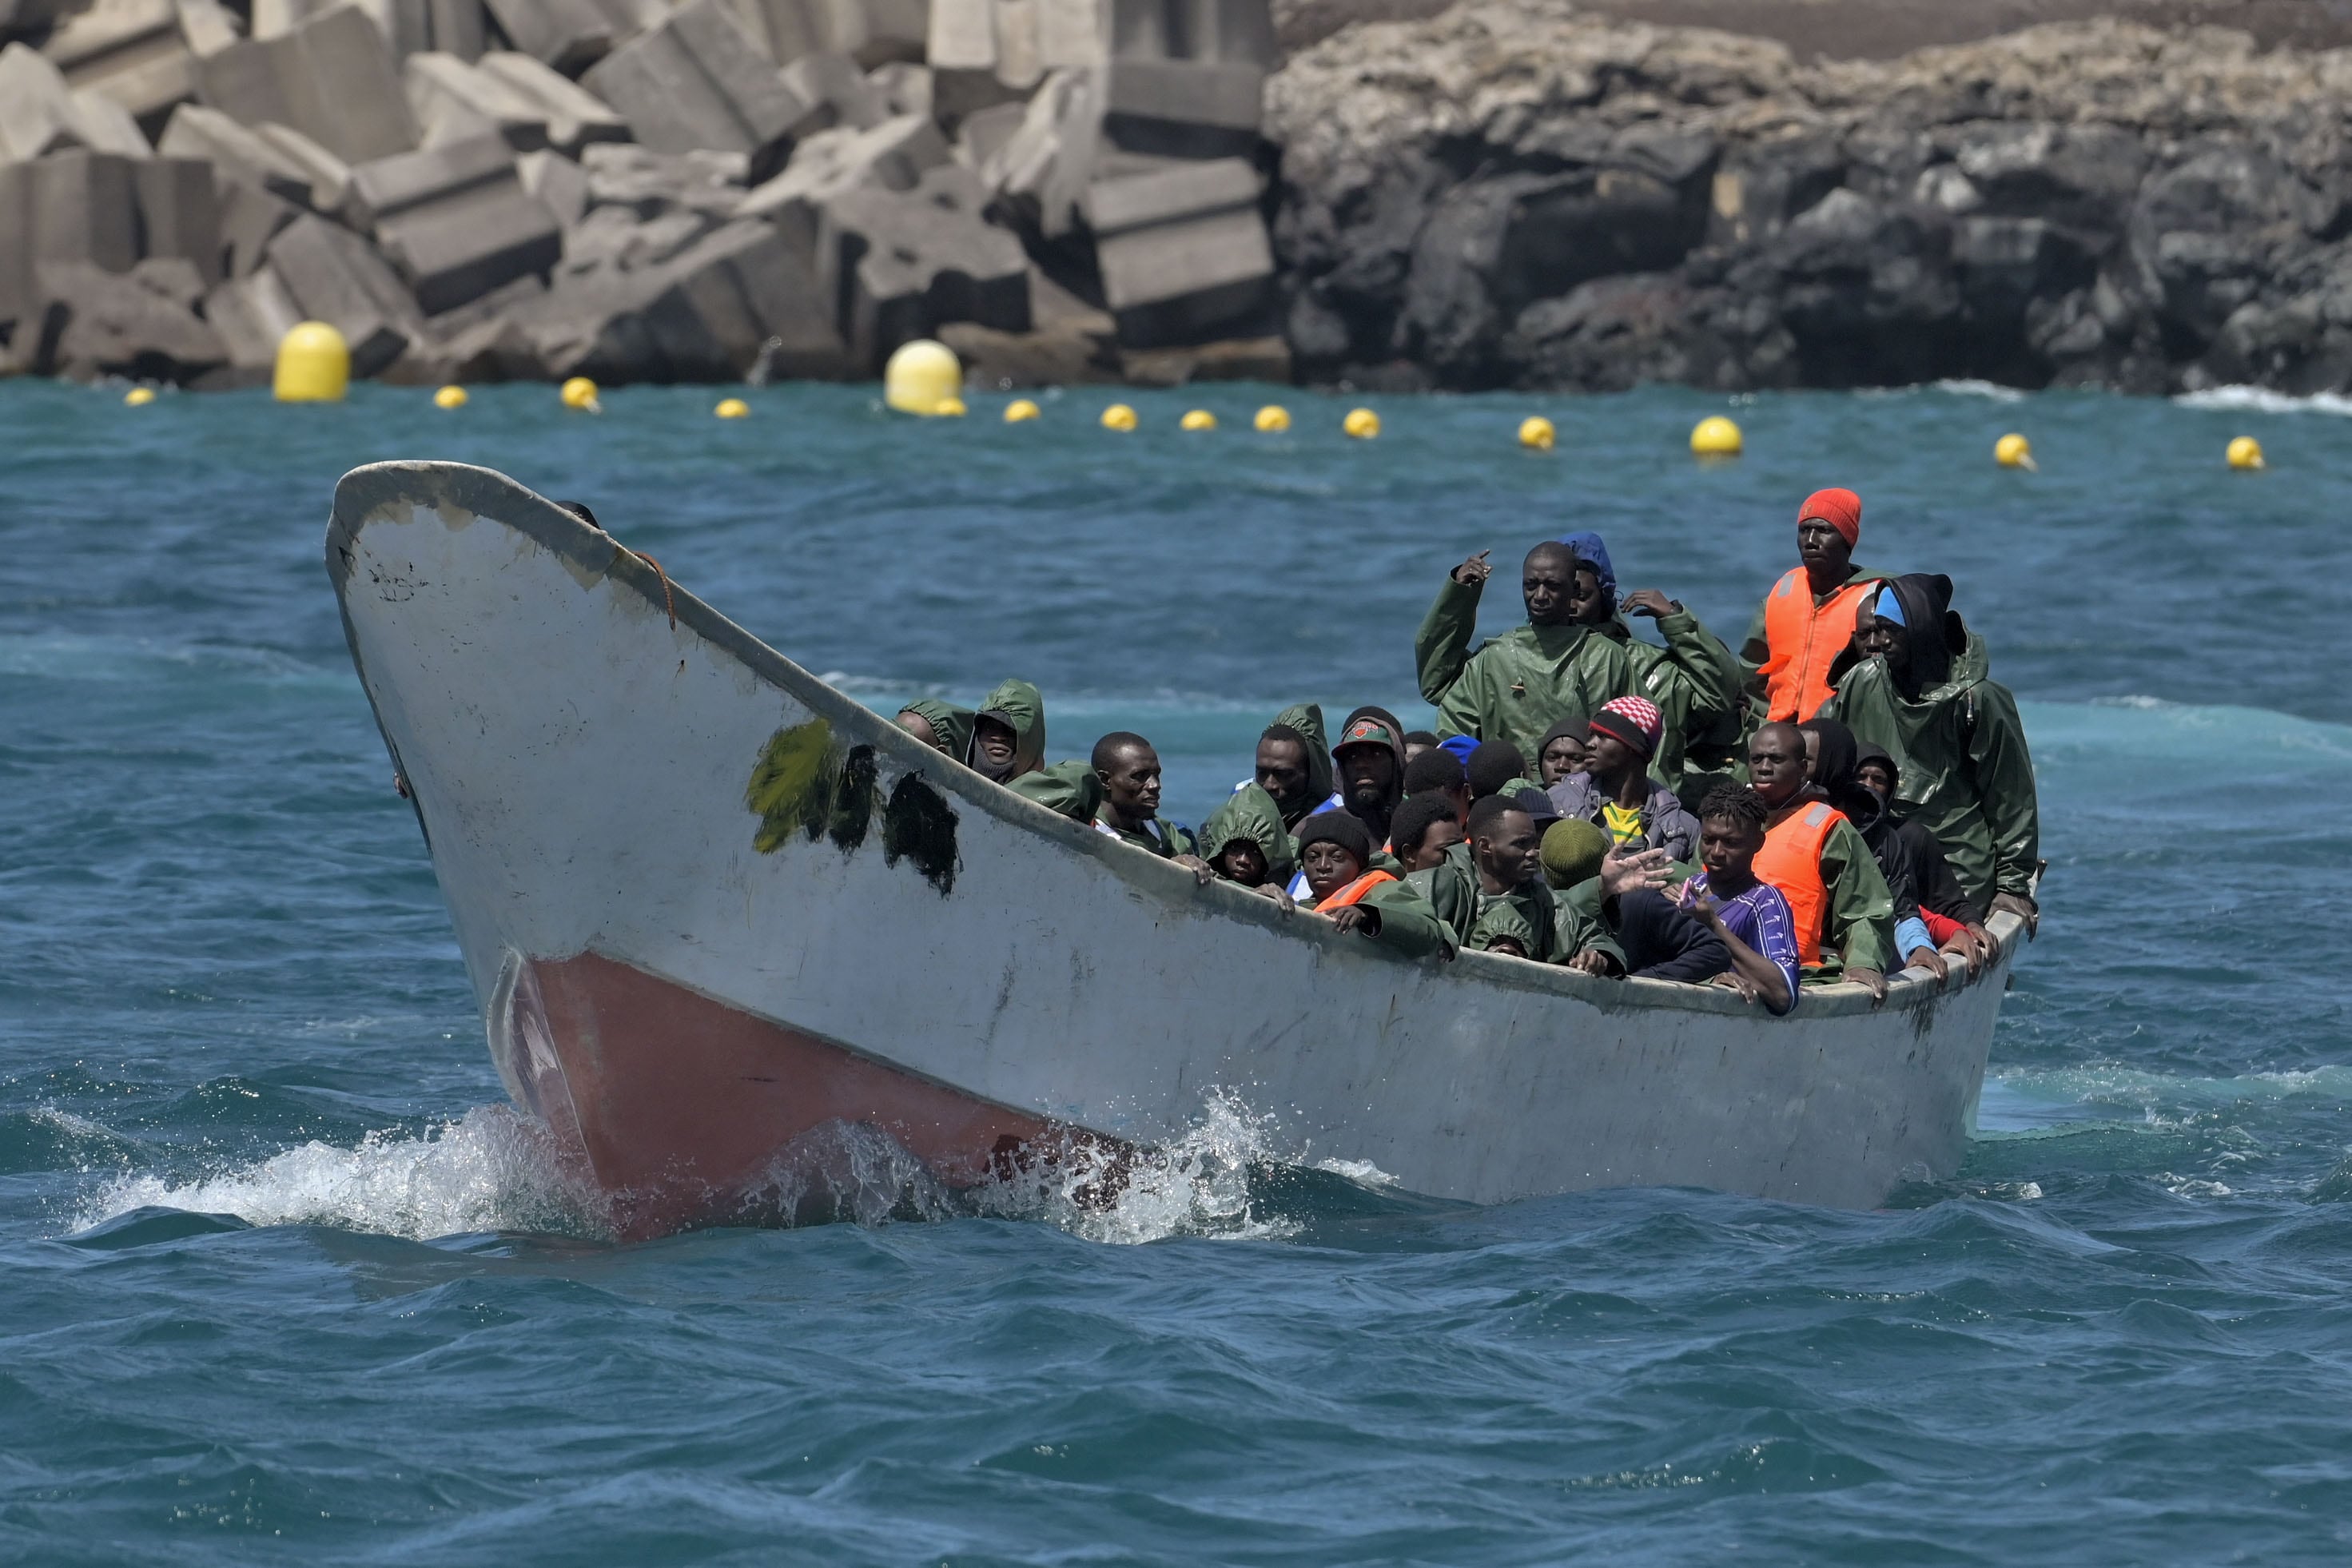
point(1890, 607)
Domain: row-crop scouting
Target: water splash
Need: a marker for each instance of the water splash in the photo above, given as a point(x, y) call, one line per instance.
point(2263, 400)
point(1197, 1184)
point(488, 1169)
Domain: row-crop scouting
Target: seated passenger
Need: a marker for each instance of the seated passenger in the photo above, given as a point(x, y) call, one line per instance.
point(1563, 750)
point(1944, 905)
point(1491, 891)
point(1915, 682)
point(1292, 764)
point(1437, 772)
point(1335, 854)
point(1496, 767)
point(1370, 760)
point(1830, 757)
point(1129, 770)
point(942, 726)
point(1416, 743)
point(1008, 732)
point(1423, 828)
point(1843, 910)
point(1750, 917)
point(1244, 842)
point(1616, 790)
point(1658, 942)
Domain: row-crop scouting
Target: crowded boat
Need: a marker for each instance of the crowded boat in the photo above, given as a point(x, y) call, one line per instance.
point(1847, 795)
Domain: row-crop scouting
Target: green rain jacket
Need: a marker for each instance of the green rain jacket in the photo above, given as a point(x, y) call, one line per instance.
point(1071, 789)
point(1553, 928)
point(1172, 840)
point(949, 722)
point(1408, 925)
point(1966, 776)
point(1694, 680)
point(1307, 718)
point(1250, 813)
point(1023, 707)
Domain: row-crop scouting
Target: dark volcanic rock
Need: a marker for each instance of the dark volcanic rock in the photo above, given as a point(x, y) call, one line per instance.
point(1514, 193)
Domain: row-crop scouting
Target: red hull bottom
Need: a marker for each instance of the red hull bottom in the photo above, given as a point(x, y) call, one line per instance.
point(685, 1109)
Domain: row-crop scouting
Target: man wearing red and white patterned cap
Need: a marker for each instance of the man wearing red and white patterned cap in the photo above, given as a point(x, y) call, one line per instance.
point(1616, 791)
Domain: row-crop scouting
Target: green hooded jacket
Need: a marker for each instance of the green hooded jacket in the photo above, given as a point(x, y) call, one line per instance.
point(1250, 813)
point(1071, 789)
point(1966, 776)
point(1021, 706)
point(1517, 686)
point(1408, 925)
point(1172, 840)
point(1552, 928)
point(1307, 718)
point(951, 723)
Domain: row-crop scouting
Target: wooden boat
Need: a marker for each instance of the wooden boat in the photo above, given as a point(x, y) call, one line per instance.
point(715, 909)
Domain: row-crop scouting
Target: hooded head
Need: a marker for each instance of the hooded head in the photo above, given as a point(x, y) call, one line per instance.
point(1563, 750)
point(949, 726)
point(1021, 707)
point(1248, 816)
point(1371, 726)
point(1911, 624)
point(1835, 755)
point(1870, 754)
point(1591, 552)
point(1307, 718)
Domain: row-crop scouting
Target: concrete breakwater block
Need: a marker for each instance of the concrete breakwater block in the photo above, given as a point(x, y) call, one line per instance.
point(699, 82)
point(901, 263)
point(238, 154)
point(179, 213)
point(140, 54)
point(40, 112)
point(1183, 252)
point(337, 278)
point(507, 94)
point(455, 221)
point(332, 79)
point(139, 323)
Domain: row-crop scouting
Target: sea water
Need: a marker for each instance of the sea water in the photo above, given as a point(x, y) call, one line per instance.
point(281, 1280)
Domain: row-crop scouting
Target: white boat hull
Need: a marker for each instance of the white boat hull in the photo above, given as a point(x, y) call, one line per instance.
point(682, 988)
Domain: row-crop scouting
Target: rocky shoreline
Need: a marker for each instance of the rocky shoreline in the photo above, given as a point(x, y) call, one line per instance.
point(1519, 193)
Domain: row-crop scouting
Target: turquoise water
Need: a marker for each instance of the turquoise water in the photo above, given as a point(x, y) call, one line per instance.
point(281, 1282)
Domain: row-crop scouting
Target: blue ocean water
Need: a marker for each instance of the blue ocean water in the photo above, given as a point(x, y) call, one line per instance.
point(281, 1281)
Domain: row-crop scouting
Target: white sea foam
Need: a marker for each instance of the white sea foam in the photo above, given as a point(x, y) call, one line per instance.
point(488, 1169)
point(1993, 390)
point(1197, 1184)
point(2263, 400)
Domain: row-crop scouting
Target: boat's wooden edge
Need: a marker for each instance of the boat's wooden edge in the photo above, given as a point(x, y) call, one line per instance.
point(388, 491)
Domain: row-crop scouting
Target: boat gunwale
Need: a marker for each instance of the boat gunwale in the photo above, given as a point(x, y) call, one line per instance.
point(367, 493)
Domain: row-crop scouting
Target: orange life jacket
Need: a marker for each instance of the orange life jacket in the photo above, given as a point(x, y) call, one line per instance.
point(1354, 892)
point(1803, 639)
point(1790, 860)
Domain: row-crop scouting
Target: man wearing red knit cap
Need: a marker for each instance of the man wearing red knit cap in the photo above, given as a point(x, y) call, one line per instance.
point(1807, 617)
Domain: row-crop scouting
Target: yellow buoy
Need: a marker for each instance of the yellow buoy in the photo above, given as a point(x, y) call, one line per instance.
point(449, 397)
point(1119, 417)
point(1361, 422)
point(138, 396)
point(921, 375)
point(1200, 419)
point(581, 393)
point(1536, 432)
point(2245, 452)
point(314, 364)
point(2014, 451)
point(732, 408)
point(1020, 408)
point(1714, 436)
point(1274, 418)
point(950, 409)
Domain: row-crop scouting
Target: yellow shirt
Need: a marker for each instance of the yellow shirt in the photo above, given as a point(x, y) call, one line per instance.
point(1623, 822)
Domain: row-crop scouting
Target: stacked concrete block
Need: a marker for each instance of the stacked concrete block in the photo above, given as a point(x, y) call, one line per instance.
point(573, 34)
point(337, 278)
point(240, 155)
point(698, 81)
point(455, 221)
point(900, 264)
point(333, 79)
point(648, 184)
point(1186, 77)
point(250, 218)
point(84, 210)
point(16, 296)
point(40, 112)
point(140, 54)
point(837, 94)
point(893, 156)
point(903, 88)
point(557, 182)
point(987, 52)
point(508, 94)
point(141, 324)
point(179, 213)
point(252, 313)
point(872, 32)
point(1182, 252)
point(1042, 170)
point(327, 176)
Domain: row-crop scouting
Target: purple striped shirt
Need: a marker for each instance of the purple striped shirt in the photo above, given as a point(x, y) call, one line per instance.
point(1759, 917)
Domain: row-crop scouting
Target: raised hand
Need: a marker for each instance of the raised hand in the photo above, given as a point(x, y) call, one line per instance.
point(1623, 871)
point(1652, 602)
point(1475, 570)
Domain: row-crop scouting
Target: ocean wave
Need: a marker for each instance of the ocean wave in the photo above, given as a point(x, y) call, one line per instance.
point(1988, 389)
point(487, 1171)
point(2263, 400)
point(66, 656)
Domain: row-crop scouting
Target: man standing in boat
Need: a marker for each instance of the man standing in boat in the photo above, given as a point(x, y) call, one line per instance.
point(1519, 685)
point(1807, 620)
point(1693, 679)
point(1843, 910)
